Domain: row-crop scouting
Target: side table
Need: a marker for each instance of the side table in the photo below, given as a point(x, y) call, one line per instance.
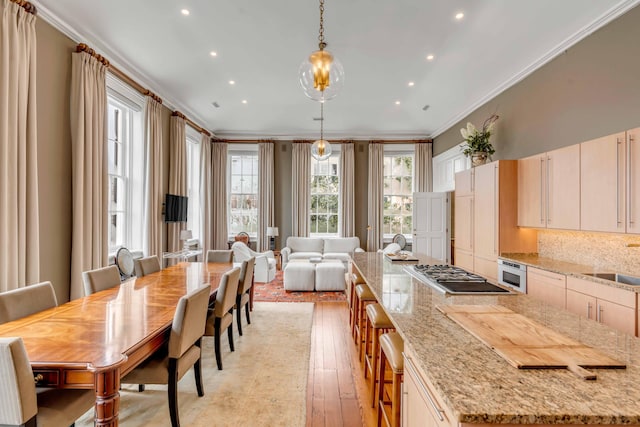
point(278, 257)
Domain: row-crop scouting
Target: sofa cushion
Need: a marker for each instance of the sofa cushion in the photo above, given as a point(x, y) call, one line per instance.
point(341, 244)
point(337, 255)
point(305, 244)
point(304, 255)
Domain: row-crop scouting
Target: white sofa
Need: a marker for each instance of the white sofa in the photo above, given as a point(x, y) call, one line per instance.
point(265, 268)
point(340, 248)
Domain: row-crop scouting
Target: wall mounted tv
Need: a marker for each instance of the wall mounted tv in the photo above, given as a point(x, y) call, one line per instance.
point(175, 208)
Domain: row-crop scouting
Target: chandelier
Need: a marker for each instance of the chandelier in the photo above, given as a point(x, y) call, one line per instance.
point(321, 149)
point(321, 74)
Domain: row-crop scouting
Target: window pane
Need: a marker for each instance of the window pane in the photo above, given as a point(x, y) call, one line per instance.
point(333, 224)
point(314, 223)
point(398, 194)
point(322, 224)
point(243, 194)
point(236, 184)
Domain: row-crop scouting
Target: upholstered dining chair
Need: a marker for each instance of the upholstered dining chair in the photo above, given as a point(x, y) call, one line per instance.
point(169, 364)
point(244, 288)
point(20, 405)
point(100, 279)
point(147, 265)
point(218, 255)
point(220, 317)
point(22, 302)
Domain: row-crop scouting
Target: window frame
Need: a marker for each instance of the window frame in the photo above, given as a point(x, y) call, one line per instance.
point(399, 150)
point(242, 150)
point(193, 150)
point(336, 153)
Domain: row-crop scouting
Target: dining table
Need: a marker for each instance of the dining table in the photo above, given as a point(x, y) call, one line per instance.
point(94, 341)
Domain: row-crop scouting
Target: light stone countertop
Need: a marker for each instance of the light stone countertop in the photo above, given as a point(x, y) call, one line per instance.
point(479, 386)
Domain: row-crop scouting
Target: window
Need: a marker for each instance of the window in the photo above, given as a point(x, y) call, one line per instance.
point(325, 196)
point(194, 213)
point(125, 158)
point(243, 191)
point(398, 194)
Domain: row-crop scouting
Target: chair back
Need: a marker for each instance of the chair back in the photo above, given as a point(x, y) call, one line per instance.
point(18, 403)
point(147, 265)
point(100, 279)
point(217, 255)
point(22, 302)
point(124, 261)
point(189, 321)
point(246, 275)
point(226, 297)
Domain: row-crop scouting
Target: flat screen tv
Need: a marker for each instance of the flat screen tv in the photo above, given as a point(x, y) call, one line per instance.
point(175, 208)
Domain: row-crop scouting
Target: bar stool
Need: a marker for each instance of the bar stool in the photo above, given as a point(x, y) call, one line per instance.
point(355, 280)
point(377, 323)
point(390, 361)
point(363, 297)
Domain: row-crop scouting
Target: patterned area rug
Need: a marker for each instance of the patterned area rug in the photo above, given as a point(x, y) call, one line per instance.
point(274, 292)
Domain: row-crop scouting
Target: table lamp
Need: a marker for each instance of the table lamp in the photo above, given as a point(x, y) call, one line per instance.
point(272, 233)
point(185, 235)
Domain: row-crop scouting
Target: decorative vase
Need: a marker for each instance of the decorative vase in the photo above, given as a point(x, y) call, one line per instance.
point(479, 158)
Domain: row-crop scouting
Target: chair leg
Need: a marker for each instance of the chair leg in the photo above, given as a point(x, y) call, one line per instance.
point(239, 314)
point(230, 334)
point(246, 308)
point(140, 388)
point(172, 390)
point(216, 340)
point(197, 370)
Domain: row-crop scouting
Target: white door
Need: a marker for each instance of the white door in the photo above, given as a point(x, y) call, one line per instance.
point(431, 222)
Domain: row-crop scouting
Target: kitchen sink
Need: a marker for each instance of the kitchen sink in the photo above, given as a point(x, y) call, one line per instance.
point(616, 277)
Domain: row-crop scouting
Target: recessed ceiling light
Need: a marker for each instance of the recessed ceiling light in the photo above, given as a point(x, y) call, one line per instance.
point(232, 82)
point(397, 102)
point(213, 53)
point(244, 101)
point(430, 57)
point(185, 12)
point(459, 15)
point(410, 84)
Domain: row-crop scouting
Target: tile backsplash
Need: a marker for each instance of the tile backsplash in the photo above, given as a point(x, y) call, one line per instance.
point(612, 252)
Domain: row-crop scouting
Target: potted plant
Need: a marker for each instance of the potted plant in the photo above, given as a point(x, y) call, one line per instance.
point(478, 146)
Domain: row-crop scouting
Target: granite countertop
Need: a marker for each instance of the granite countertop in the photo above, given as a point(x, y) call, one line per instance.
point(568, 268)
point(479, 386)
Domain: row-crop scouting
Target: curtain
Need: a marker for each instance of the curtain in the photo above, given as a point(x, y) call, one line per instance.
point(300, 188)
point(153, 139)
point(90, 247)
point(177, 175)
point(347, 182)
point(206, 193)
point(19, 236)
point(219, 195)
point(423, 168)
point(265, 193)
point(376, 176)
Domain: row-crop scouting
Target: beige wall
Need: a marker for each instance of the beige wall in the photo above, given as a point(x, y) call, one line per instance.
point(591, 90)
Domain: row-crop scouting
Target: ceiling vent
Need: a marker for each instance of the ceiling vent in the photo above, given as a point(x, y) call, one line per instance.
point(425, 108)
point(215, 104)
point(318, 119)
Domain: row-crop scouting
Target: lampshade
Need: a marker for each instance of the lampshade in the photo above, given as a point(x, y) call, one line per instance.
point(186, 235)
point(272, 231)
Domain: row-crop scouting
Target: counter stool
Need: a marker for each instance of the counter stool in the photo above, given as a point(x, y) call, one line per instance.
point(363, 297)
point(377, 323)
point(389, 390)
point(355, 280)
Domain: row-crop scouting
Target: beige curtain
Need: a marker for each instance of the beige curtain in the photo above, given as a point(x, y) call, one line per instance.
point(177, 176)
point(265, 193)
point(376, 194)
point(219, 195)
point(90, 173)
point(300, 188)
point(423, 169)
point(19, 238)
point(206, 193)
point(347, 182)
point(153, 139)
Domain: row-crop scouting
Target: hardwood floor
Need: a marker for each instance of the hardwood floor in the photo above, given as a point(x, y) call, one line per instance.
point(337, 394)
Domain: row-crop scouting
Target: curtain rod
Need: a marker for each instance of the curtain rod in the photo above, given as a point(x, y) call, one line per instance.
point(193, 124)
point(29, 7)
point(331, 141)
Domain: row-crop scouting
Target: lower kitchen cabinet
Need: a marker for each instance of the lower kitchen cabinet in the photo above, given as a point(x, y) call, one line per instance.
point(421, 405)
point(463, 259)
point(547, 286)
point(614, 307)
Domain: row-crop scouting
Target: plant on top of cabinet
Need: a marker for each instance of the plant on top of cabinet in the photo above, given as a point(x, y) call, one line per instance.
point(477, 145)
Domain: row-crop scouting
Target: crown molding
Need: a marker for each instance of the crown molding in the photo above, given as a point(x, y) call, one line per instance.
point(288, 136)
point(610, 15)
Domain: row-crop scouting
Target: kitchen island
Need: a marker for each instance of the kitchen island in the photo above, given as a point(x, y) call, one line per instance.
point(476, 386)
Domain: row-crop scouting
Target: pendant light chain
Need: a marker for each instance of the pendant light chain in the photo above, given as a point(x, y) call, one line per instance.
point(322, 44)
point(321, 120)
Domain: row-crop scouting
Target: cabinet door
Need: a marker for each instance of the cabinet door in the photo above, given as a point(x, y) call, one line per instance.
point(531, 209)
point(421, 407)
point(464, 260)
point(547, 286)
point(602, 182)
point(563, 188)
point(617, 316)
point(463, 217)
point(633, 181)
point(464, 183)
point(485, 230)
point(581, 304)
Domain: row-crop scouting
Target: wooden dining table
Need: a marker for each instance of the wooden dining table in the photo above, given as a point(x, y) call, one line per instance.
point(92, 342)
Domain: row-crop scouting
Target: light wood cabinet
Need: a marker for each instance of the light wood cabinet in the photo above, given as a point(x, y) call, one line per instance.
point(614, 307)
point(463, 259)
point(547, 286)
point(531, 193)
point(485, 211)
point(633, 181)
point(463, 219)
point(464, 182)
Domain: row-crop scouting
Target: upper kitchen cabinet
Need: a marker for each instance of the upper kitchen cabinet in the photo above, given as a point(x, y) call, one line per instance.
point(464, 183)
point(633, 181)
point(603, 184)
point(549, 189)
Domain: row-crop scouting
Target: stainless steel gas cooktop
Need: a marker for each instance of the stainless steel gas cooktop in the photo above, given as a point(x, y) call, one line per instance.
point(454, 280)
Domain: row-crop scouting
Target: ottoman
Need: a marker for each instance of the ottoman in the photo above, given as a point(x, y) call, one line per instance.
point(330, 275)
point(299, 275)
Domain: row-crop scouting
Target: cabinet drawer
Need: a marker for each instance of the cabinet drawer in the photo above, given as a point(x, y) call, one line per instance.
point(608, 293)
point(547, 286)
point(486, 268)
point(548, 277)
point(46, 378)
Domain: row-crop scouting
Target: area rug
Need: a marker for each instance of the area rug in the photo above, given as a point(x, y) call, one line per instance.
point(274, 291)
point(263, 382)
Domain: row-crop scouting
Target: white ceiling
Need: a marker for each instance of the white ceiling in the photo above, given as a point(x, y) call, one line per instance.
point(382, 45)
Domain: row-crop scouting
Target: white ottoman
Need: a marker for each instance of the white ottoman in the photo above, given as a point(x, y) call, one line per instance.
point(330, 275)
point(299, 275)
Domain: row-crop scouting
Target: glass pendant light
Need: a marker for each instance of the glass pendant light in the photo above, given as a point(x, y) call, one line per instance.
point(321, 149)
point(321, 74)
